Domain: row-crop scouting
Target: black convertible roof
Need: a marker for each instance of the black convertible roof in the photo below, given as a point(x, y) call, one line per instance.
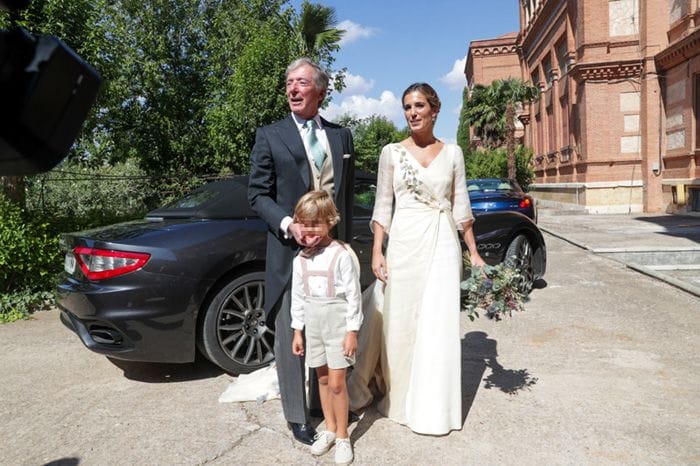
point(219, 199)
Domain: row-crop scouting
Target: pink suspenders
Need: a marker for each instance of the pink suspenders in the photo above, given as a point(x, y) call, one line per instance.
point(306, 273)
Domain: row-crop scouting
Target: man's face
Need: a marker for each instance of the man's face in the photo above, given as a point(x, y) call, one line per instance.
point(302, 95)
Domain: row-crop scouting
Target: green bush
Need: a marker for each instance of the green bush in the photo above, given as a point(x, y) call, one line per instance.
point(19, 304)
point(494, 164)
point(29, 262)
point(101, 194)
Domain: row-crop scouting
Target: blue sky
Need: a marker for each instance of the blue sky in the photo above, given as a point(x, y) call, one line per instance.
point(390, 44)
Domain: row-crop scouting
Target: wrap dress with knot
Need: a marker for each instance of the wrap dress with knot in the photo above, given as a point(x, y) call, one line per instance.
point(421, 352)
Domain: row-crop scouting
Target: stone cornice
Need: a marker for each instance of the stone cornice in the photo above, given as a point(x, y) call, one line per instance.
point(505, 45)
point(677, 53)
point(494, 50)
point(608, 45)
point(606, 70)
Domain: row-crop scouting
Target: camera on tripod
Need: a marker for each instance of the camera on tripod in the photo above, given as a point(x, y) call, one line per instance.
point(46, 92)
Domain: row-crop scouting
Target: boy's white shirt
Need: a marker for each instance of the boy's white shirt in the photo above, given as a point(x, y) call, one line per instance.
point(347, 281)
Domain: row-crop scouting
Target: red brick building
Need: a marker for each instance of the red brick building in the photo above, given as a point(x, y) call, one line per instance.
point(617, 126)
point(491, 59)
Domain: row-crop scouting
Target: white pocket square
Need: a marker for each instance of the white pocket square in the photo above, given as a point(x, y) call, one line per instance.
point(346, 156)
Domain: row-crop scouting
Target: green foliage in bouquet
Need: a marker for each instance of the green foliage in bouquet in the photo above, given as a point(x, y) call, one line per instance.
point(493, 288)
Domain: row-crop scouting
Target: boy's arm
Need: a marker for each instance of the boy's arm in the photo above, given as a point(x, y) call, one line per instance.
point(349, 277)
point(297, 307)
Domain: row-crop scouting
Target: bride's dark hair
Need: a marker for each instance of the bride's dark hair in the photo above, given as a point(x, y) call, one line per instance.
point(425, 89)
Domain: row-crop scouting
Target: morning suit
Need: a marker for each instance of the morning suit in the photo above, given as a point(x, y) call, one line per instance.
point(280, 174)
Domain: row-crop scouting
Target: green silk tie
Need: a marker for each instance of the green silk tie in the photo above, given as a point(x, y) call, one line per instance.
point(317, 151)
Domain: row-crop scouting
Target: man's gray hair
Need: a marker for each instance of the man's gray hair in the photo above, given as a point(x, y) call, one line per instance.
point(321, 78)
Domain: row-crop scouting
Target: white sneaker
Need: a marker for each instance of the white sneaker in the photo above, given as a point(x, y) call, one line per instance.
point(343, 451)
point(323, 441)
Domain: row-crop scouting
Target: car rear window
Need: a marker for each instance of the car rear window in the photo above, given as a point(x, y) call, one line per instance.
point(489, 185)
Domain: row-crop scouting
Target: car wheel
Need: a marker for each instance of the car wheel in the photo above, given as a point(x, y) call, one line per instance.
point(519, 256)
point(234, 333)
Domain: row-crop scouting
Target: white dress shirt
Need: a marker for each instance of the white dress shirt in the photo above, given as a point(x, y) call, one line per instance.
point(347, 283)
point(323, 139)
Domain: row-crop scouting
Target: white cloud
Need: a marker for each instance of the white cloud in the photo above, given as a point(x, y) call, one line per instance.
point(361, 106)
point(355, 84)
point(455, 79)
point(354, 32)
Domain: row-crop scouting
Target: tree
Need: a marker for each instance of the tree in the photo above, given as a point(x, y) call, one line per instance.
point(185, 83)
point(318, 38)
point(463, 139)
point(251, 94)
point(316, 33)
point(78, 23)
point(369, 136)
point(491, 112)
point(494, 164)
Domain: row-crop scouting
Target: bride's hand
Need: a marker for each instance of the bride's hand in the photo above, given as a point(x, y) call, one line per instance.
point(379, 267)
point(476, 260)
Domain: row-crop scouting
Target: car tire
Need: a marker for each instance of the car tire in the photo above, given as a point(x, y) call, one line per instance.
point(234, 334)
point(519, 256)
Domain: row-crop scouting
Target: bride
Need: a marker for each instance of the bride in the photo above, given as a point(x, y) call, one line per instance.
point(413, 340)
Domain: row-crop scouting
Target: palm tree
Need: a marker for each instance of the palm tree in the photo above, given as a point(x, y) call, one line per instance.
point(316, 32)
point(490, 111)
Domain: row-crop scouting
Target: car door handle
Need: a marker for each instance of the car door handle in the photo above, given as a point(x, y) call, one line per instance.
point(363, 238)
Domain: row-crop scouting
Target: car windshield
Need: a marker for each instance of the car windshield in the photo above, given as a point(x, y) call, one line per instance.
point(486, 186)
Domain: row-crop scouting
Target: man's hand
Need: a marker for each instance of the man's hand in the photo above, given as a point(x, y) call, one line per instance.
point(298, 343)
point(350, 343)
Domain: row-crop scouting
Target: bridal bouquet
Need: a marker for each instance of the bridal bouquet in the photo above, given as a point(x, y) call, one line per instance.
point(493, 288)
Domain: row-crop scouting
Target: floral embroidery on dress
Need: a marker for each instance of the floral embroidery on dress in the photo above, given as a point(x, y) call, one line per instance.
point(414, 185)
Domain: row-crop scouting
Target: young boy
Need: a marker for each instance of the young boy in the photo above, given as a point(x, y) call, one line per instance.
point(326, 300)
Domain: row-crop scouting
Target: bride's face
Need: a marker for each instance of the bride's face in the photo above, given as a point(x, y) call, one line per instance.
point(419, 114)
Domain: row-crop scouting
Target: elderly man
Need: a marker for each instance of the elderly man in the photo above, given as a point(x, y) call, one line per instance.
point(292, 156)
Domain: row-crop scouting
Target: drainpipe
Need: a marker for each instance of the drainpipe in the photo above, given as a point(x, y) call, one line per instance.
point(657, 171)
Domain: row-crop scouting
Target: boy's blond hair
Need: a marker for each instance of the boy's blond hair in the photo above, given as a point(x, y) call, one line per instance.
point(316, 206)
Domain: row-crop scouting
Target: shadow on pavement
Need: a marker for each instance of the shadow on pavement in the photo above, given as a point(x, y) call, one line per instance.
point(676, 225)
point(479, 352)
point(151, 372)
point(367, 417)
point(539, 284)
point(64, 462)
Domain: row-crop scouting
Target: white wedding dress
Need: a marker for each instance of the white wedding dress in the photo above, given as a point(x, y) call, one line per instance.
point(419, 346)
point(409, 343)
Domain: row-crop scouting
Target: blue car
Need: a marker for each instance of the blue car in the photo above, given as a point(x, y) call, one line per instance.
point(499, 194)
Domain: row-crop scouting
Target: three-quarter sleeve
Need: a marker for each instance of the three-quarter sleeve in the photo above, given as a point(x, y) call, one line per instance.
point(384, 199)
point(349, 279)
point(461, 208)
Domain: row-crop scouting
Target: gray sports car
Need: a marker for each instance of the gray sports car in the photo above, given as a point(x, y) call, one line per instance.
point(190, 276)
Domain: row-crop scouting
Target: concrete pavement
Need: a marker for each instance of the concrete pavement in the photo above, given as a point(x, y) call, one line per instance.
point(666, 247)
point(601, 369)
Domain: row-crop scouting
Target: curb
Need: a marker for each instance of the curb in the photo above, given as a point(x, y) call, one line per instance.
point(695, 291)
point(664, 278)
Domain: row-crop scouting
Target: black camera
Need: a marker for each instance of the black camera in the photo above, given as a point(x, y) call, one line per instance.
point(46, 91)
